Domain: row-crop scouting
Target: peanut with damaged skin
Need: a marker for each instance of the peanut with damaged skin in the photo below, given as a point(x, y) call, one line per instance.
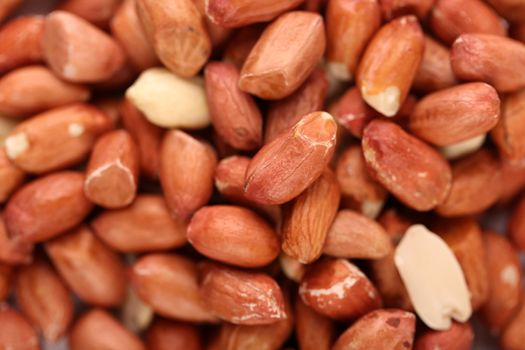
point(293, 161)
point(56, 139)
point(380, 329)
point(285, 113)
point(389, 151)
point(359, 190)
point(112, 171)
point(390, 63)
point(241, 297)
point(226, 194)
point(338, 289)
point(349, 27)
point(284, 56)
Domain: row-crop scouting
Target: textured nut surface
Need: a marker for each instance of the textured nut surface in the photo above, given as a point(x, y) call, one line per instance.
point(489, 58)
point(410, 169)
point(177, 32)
point(145, 225)
point(186, 172)
point(355, 236)
point(456, 114)
point(170, 101)
point(112, 171)
point(283, 57)
point(94, 272)
point(55, 139)
point(338, 289)
point(435, 72)
point(46, 207)
point(234, 114)
point(474, 17)
point(233, 235)
point(252, 337)
point(359, 190)
point(285, 113)
point(380, 329)
point(349, 27)
point(433, 278)
point(307, 219)
point(169, 284)
point(25, 91)
point(390, 63)
point(78, 51)
point(285, 167)
point(241, 297)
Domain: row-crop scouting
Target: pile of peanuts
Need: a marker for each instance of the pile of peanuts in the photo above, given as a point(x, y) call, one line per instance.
point(262, 175)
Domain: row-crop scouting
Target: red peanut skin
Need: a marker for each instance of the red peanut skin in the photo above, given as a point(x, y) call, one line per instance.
point(285, 167)
point(233, 235)
point(47, 207)
point(186, 173)
point(234, 114)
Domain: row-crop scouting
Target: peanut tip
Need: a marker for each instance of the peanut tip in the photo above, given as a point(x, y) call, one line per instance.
point(16, 145)
point(386, 102)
